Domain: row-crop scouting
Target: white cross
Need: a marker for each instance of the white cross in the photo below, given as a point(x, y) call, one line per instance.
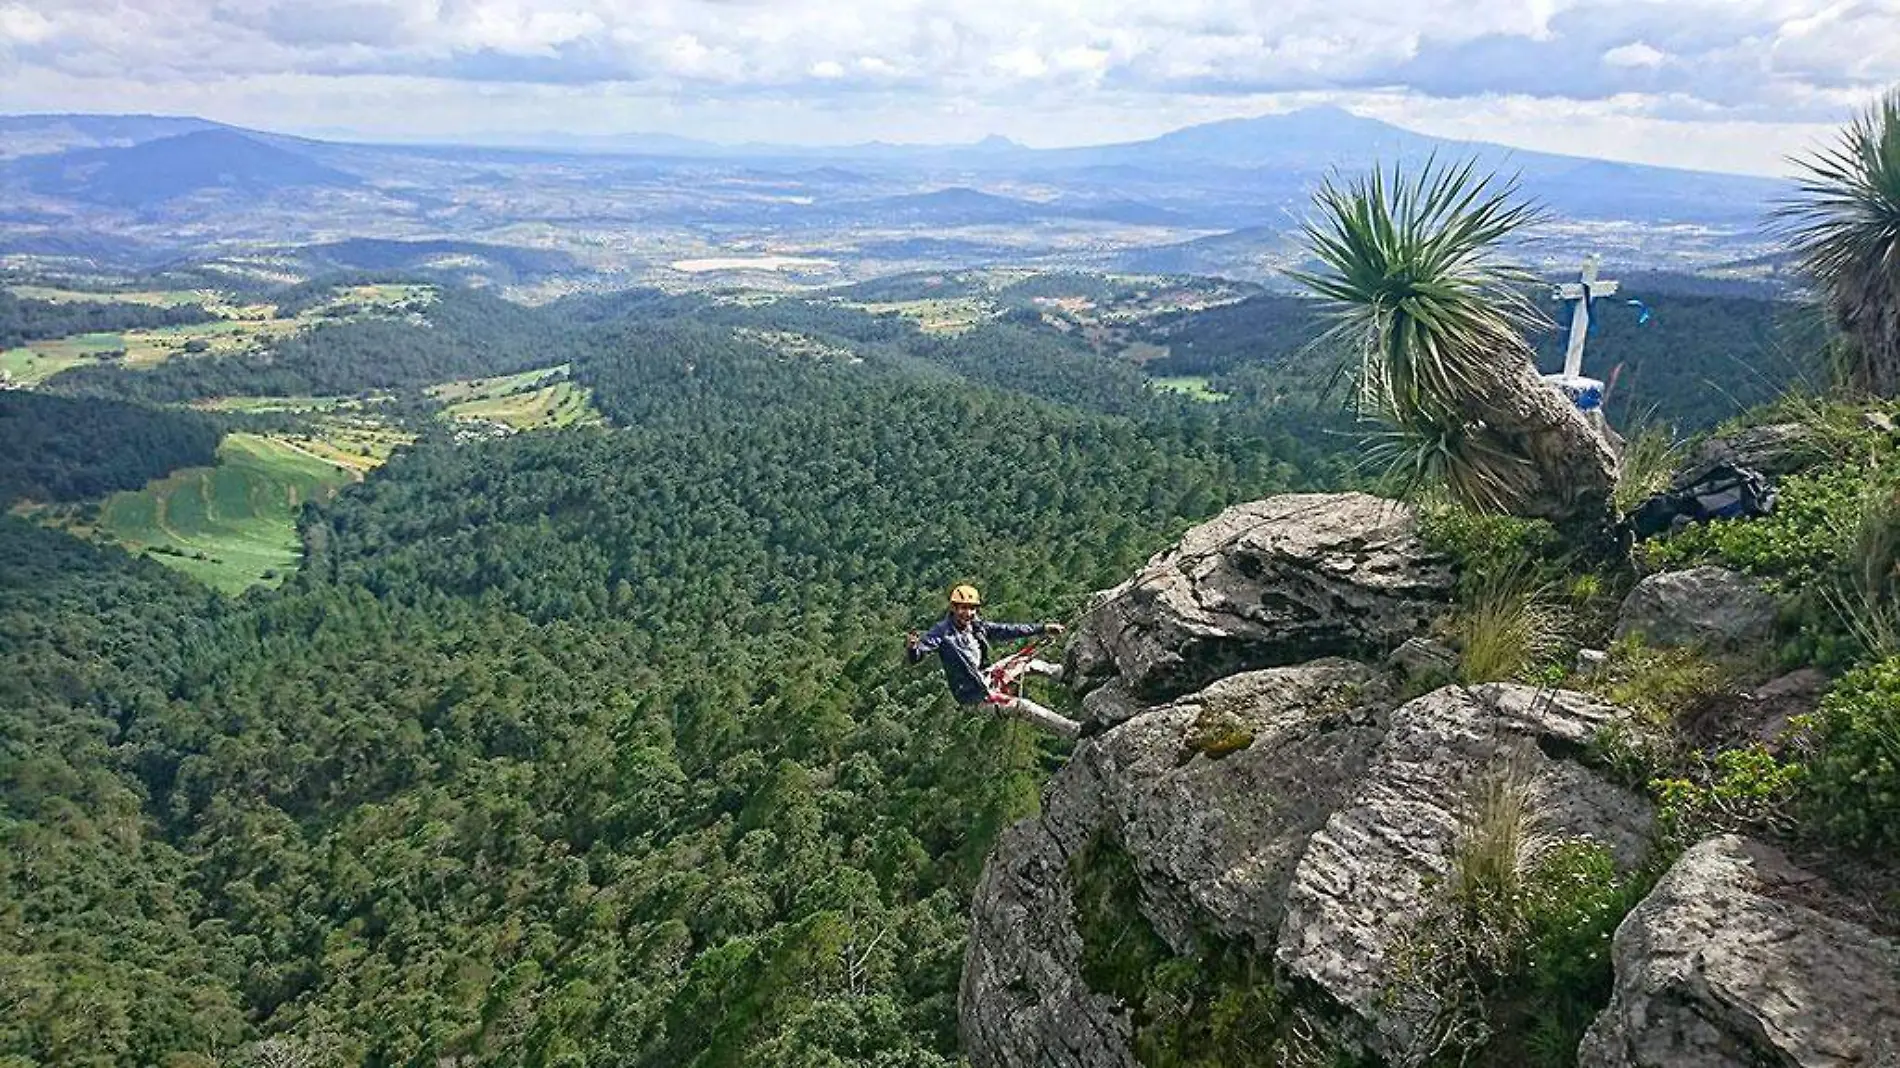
point(1580, 291)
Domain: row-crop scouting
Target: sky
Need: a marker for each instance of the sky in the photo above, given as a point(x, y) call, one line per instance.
point(1735, 85)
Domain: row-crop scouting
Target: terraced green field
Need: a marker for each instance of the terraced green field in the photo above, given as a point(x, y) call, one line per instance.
point(561, 404)
point(231, 526)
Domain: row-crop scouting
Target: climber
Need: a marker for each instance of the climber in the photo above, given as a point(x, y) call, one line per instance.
point(962, 641)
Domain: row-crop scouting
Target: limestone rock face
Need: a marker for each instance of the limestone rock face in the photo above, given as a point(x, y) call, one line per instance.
point(1722, 966)
point(1211, 798)
point(1265, 584)
point(1369, 875)
point(1290, 811)
point(1711, 608)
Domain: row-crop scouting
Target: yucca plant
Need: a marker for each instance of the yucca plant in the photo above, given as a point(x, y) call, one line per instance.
point(1845, 225)
point(1411, 273)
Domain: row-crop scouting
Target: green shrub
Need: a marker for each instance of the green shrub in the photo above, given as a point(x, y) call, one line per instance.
point(1853, 791)
point(1657, 684)
point(1511, 965)
point(1800, 541)
point(1223, 1007)
point(1487, 548)
point(1740, 789)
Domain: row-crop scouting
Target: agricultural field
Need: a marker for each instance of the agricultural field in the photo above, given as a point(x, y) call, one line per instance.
point(241, 327)
point(158, 298)
point(473, 389)
point(34, 363)
point(350, 432)
point(936, 315)
point(549, 407)
point(1193, 386)
point(282, 404)
point(231, 526)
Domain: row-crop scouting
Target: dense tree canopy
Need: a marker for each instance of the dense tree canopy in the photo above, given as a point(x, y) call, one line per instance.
point(62, 449)
point(590, 746)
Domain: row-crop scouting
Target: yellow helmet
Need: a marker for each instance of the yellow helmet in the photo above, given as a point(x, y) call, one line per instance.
point(966, 595)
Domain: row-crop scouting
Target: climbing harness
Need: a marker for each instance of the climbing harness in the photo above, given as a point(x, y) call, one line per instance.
point(1008, 672)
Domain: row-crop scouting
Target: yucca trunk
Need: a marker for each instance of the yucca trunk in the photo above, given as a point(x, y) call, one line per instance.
point(1571, 468)
point(1872, 320)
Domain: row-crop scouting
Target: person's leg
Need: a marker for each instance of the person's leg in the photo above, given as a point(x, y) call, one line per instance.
point(1053, 672)
point(1034, 714)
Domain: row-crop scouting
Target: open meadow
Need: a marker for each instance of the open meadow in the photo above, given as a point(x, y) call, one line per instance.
point(231, 526)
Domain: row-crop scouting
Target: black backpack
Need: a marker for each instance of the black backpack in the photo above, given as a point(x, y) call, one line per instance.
point(1721, 491)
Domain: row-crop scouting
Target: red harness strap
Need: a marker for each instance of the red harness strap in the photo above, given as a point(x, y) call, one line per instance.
point(1008, 672)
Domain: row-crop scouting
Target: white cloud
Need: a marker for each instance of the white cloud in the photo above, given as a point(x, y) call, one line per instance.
point(784, 68)
point(1634, 54)
point(21, 25)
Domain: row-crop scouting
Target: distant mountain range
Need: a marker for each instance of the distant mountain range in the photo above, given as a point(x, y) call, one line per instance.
point(1216, 196)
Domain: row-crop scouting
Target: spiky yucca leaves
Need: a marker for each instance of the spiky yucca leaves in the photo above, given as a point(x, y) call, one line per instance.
point(1416, 287)
point(1845, 224)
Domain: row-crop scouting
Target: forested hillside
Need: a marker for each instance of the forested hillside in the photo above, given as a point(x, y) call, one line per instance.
point(592, 745)
point(577, 747)
point(1699, 359)
point(62, 449)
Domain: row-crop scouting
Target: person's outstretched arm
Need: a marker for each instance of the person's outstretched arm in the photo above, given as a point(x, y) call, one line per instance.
point(1011, 631)
point(916, 648)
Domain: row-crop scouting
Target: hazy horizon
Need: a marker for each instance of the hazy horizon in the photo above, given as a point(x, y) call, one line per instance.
point(1723, 85)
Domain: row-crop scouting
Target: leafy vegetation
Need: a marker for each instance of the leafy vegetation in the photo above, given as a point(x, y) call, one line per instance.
point(1854, 778)
point(1221, 1006)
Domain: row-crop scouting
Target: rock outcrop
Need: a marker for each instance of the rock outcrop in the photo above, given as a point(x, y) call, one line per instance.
point(1266, 584)
point(1708, 608)
point(1723, 966)
point(1242, 797)
point(1289, 811)
point(1774, 450)
point(1368, 876)
point(1212, 798)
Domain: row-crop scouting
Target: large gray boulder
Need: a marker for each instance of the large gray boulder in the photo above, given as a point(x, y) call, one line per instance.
point(1725, 966)
point(1774, 449)
point(1265, 584)
point(1708, 608)
point(1369, 877)
point(1289, 811)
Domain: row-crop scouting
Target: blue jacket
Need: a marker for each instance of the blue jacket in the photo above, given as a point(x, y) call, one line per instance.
point(964, 653)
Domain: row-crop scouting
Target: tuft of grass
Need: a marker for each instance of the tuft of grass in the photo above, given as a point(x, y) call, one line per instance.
point(1510, 628)
point(1649, 458)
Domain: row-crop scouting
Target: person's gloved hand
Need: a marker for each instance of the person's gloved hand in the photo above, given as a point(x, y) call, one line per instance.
point(1052, 628)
